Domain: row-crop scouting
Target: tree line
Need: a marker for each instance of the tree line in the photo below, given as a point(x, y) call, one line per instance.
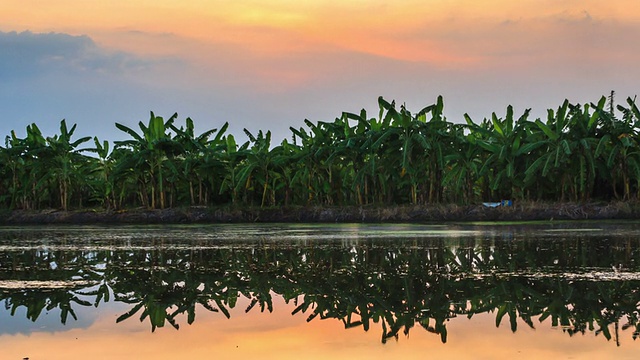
point(580, 152)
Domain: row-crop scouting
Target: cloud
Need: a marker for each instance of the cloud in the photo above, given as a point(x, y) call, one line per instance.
point(31, 55)
point(46, 77)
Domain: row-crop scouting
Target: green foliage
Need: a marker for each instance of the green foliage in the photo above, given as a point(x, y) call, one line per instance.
point(578, 153)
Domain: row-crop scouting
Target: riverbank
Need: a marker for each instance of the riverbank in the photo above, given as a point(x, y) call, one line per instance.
point(529, 211)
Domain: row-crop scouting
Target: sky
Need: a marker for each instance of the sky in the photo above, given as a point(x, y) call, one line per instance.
point(268, 65)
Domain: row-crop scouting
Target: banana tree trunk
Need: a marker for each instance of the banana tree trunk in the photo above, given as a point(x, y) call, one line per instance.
point(63, 195)
point(264, 190)
point(359, 194)
point(414, 192)
point(161, 188)
point(153, 196)
point(191, 193)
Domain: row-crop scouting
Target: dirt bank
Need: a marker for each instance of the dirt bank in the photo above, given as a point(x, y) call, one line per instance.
point(418, 214)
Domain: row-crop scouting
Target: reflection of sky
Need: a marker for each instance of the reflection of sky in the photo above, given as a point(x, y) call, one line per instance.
point(48, 321)
point(280, 335)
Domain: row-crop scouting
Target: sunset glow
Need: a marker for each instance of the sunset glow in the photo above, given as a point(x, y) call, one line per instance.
point(356, 25)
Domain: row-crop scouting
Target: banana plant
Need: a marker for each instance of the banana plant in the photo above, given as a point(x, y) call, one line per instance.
point(584, 134)
point(13, 168)
point(463, 165)
point(619, 147)
point(30, 175)
point(257, 169)
point(285, 160)
point(410, 140)
point(552, 151)
point(102, 173)
point(64, 161)
point(152, 150)
point(200, 158)
point(232, 157)
point(503, 141)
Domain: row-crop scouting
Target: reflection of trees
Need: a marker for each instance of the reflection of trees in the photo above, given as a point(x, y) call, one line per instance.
point(393, 285)
point(35, 301)
point(57, 268)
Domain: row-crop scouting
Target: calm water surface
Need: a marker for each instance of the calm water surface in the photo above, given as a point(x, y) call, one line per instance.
point(477, 291)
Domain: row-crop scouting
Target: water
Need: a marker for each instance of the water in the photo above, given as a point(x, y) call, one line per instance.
point(561, 290)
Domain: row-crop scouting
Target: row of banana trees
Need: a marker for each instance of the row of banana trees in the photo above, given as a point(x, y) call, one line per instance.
point(578, 153)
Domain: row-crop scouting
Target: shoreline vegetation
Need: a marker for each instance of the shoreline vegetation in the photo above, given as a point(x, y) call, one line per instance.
point(581, 162)
point(419, 214)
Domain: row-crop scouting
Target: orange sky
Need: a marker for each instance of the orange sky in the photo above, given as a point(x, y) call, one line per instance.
point(405, 29)
point(315, 59)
